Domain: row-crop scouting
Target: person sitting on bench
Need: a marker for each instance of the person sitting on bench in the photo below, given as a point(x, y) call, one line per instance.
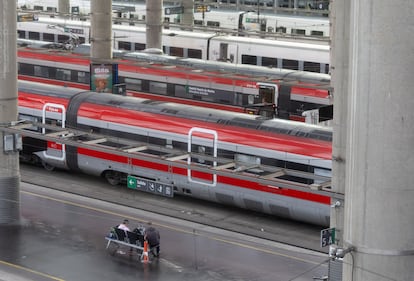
point(124, 225)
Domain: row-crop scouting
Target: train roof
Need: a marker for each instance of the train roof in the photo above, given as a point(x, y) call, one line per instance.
point(243, 69)
point(280, 42)
point(58, 22)
point(156, 60)
point(221, 117)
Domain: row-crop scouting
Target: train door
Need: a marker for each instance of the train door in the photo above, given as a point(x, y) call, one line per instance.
point(268, 99)
point(55, 153)
point(204, 141)
point(263, 24)
point(240, 23)
point(228, 53)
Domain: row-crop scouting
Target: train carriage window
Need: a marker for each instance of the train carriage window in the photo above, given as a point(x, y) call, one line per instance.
point(238, 99)
point(133, 84)
point(290, 64)
point(34, 35)
point(311, 66)
point(21, 33)
point(63, 38)
point(83, 77)
point(139, 46)
point(270, 62)
point(251, 98)
point(158, 88)
point(246, 59)
point(326, 67)
point(63, 74)
point(123, 45)
point(26, 69)
point(49, 37)
point(198, 22)
point(181, 91)
point(41, 71)
point(281, 29)
point(298, 31)
point(316, 33)
point(38, 8)
point(194, 53)
point(175, 51)
point(213, 23)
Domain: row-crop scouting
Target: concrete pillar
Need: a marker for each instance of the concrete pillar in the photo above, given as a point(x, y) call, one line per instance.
point(9, 161)
point(379, 207)
point(187, 18)
point(101, 30)
point(64, 8)
point(339, 19)
point(154, 24)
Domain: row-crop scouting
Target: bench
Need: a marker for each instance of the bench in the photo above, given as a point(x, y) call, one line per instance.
point(126, 238)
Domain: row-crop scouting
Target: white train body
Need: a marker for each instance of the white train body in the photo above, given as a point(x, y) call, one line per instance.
point(201, 45)
point(226, 19)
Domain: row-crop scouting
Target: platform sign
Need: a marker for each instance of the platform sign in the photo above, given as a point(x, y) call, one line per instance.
point(327, 236)
point(149, 186)
point(27, 17)
point(200, 8)
point(174, 10)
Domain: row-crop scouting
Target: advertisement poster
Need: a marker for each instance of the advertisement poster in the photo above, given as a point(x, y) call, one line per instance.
point(101, 78)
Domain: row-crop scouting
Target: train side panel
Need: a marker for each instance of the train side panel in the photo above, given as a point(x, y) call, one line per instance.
point(166, 124)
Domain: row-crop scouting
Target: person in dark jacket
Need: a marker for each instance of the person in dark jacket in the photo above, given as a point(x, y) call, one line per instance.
point(152, 236)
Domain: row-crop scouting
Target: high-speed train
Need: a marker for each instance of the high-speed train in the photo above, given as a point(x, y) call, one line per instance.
point(246, 21)
point(294, 55)
point(236, 151)
point(269, 92)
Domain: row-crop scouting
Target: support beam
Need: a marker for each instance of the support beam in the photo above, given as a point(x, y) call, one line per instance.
point(154, 24)
point(9, 160)
point(101, 30)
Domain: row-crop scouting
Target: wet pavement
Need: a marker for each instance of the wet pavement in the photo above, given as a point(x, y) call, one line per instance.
point(62, 238)
point(231, 218)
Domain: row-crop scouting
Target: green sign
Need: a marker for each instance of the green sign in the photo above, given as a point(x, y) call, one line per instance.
point(327, 236)
point(150, 186)
point(132, 182)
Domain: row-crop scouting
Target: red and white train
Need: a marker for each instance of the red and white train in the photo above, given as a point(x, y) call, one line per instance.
point(262, 91)
point(257, 149)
